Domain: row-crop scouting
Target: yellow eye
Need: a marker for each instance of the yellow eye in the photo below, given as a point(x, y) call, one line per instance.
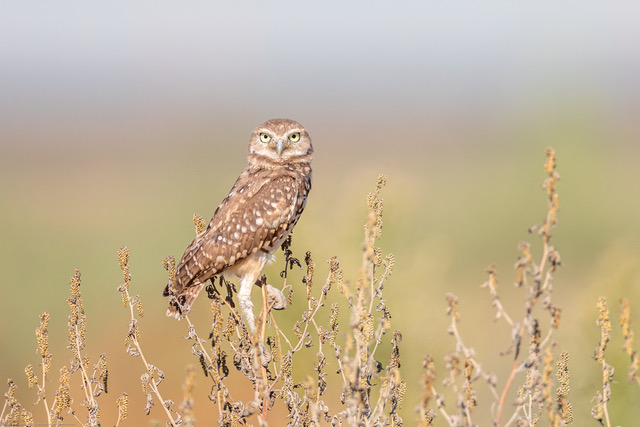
point(294, 137)
point(264, 137)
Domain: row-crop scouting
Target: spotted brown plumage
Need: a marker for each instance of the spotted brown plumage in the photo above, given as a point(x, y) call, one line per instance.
point(253, 221)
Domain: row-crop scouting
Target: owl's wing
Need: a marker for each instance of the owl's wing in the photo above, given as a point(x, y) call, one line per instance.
point(251, 218)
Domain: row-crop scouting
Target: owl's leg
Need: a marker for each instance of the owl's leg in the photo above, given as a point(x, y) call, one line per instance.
point(246, 305)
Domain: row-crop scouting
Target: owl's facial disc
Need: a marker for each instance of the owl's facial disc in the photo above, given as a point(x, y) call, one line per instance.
point(279, 145)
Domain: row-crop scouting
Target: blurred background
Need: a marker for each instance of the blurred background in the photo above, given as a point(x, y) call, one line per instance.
point(119, 121)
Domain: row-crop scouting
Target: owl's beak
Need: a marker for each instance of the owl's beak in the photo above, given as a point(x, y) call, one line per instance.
point(280, 147)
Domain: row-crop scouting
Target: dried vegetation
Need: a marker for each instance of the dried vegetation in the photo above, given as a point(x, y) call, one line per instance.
point(354, 376)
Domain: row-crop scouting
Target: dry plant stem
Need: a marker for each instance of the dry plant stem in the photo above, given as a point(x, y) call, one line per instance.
point(514, 416)
point(154, 388)
point(341, 369)
point(320, 303)
point(4, 408)
point(440, 406)
point(263, 371)
point(604, 404)
point(278, 333)
point(267, 310)
point(539, 290)
point(152, 384)
point(279, 370)
point(628, 345)
point(603, 397)
point(372, 280)
point(541, 286)
point(41, 392)
point(198, 340)
point(517, 368)
point(206, 355)
point(467, 354)
point(76, 417)
point(503, 397)
point(606, 415)
point(85, 377)
point(493, 290)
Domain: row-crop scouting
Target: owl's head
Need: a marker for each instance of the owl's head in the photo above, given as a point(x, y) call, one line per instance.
point(282, 141)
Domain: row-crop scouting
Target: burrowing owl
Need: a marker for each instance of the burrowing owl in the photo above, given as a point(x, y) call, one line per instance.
point(252, 221)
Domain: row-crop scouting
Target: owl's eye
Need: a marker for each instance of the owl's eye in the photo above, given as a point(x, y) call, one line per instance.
point(294, 137)
point(264, 137)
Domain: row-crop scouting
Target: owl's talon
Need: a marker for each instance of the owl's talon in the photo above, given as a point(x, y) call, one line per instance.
point(264, 354)
point(276, 298)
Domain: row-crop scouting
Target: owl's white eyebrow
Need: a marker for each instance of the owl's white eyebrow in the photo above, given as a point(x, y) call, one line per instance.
point(268, 131)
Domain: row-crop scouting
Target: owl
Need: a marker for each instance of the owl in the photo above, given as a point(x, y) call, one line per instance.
point(252, 222)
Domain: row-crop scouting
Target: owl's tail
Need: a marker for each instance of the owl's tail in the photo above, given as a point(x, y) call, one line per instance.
point(180, 303)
